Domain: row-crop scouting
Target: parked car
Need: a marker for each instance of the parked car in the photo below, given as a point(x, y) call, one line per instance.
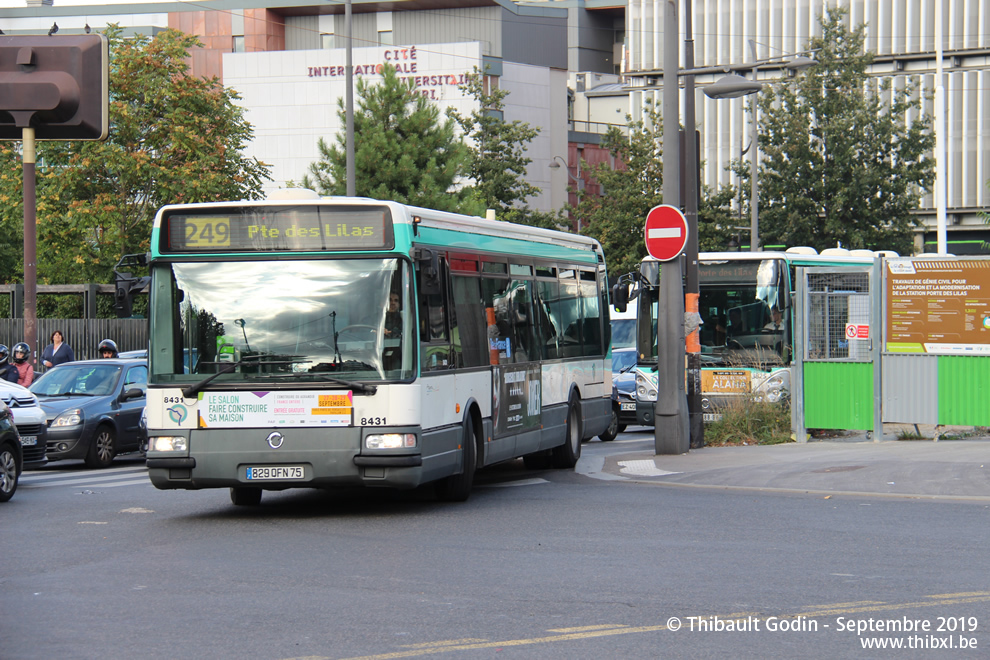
point(623, 392)
point(93, 408)
point(31, 422)
point(11, 457)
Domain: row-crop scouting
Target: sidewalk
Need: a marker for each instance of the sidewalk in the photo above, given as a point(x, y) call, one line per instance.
point(953, 468)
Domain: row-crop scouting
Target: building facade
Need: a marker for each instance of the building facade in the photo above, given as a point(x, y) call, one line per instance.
point(287, 61)
point(902, 35)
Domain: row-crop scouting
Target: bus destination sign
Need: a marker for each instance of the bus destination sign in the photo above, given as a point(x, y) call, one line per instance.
point(264, 229)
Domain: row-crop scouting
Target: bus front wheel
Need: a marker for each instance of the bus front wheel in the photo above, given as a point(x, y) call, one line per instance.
point(457, 487)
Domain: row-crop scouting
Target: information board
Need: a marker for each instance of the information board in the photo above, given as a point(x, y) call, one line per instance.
point(938, 306)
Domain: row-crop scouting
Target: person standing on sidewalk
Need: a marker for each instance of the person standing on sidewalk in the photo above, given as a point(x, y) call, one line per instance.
point(57, 352)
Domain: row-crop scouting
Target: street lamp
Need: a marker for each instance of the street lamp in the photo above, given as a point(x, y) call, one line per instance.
point(578, 182)
point(734, 86)
point(241, 323)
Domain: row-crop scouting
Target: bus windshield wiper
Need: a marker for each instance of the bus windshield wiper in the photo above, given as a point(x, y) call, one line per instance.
point(226, 368)
point(353, 384)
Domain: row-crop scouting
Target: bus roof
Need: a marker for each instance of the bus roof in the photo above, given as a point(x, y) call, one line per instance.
point(416, 217)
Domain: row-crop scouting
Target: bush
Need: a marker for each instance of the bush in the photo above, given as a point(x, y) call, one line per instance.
point(750, 422)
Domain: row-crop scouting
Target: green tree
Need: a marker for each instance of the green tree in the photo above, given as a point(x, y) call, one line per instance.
point(173, 138)
point(840, 160)
point(632, 188)
point(498, 155)
point(402, 150)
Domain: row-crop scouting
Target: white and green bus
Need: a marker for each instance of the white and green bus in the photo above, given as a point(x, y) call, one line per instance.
point(747, 332)
point(308, 342)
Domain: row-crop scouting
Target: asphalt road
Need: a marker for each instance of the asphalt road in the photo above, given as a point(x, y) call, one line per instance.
point(548, 564)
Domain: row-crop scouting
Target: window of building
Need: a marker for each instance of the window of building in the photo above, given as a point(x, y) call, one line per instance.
point(327, 41)
point(239, 44)
point(385, 38)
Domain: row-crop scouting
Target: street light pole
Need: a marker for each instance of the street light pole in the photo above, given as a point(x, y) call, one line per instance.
point(754, 163)
point(734, 86)
point(671, 432)
point(578, 181)
point(692, 343)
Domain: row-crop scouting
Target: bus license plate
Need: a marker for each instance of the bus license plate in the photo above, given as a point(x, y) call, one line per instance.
point(628, 406)
point(275, 472)
point(29, 440)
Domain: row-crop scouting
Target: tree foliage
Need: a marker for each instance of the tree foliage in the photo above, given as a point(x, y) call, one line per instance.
point(403, 151)
point(841, 161)
point(632, 188)
point(173, 138)
point(498, 155)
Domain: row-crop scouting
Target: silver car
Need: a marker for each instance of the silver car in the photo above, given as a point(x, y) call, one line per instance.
point(31, 422)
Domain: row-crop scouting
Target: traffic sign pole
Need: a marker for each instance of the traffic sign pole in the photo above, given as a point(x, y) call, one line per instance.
point(666, 235)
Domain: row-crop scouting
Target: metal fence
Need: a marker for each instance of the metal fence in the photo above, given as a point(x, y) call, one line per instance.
point(83, 335)
point(837, 300)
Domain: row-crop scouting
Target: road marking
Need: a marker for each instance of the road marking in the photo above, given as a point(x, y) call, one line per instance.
point(446, 643)
point(111, 478)
point(31, 477)
point(643, 468)
point(592, 632)
point(856, 603)
point(586, 628)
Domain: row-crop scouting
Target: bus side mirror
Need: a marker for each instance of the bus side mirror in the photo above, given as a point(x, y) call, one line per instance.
point(620, 296)
point(429, 266)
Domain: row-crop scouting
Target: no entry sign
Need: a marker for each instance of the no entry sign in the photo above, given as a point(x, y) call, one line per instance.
point(666, 232)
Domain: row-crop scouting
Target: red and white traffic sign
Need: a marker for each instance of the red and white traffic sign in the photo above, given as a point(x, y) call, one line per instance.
point(666, 232)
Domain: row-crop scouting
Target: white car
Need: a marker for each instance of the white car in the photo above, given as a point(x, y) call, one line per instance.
point(30, 420)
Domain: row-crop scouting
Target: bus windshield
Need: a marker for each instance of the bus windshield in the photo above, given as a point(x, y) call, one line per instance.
point(744, 323)
point(283, 321)
point(740, 304)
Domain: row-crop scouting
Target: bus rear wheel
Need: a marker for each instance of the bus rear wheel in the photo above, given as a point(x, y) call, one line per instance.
point(567, 454)
point(457, 487)
point(241, 496)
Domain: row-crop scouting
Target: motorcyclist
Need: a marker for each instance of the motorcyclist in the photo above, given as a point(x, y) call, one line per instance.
point(107, 349)
point(25, 371)
point(7, 370)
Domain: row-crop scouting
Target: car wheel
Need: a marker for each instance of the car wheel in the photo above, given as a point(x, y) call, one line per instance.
point(457, 487)
point(241, 496)
point(567, 454)
point(104, 448)
point(613, 427)
point(8, 472)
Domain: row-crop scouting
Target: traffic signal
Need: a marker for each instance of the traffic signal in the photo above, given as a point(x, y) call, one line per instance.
point(56, 85)
point(124, 296)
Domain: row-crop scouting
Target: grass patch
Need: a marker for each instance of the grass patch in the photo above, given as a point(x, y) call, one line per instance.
point(750, 422)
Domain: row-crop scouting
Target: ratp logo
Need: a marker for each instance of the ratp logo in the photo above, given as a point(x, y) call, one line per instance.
point(177, 413)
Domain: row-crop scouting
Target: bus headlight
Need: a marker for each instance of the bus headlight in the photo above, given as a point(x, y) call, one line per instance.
point(390, 441)
point(646, 390)
point(773, 389)
point(168, 443)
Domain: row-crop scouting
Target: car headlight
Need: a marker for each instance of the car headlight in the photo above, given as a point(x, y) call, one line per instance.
point(69, 418)
point(645, 389)
point(168, 443)
point(390, 441)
